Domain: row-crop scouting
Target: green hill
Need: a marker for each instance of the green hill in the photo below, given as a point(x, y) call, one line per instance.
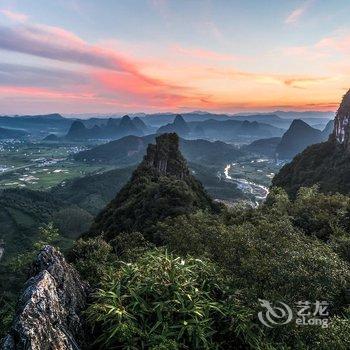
point(93, 192)
point(325, 164)
point(161, 187)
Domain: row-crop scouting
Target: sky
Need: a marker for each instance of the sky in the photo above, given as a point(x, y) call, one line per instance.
point(123, 56)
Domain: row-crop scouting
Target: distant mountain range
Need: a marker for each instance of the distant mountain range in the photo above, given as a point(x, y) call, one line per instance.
point(224, 130)
point(130, 150)
point(178, 126)
point(114, 129)
point(40, 126)
point(265, 147)
point(37, 125)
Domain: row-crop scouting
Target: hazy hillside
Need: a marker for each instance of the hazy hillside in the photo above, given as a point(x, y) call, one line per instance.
point(232, 130)
point(297, 138)
point(37, 125)
point(113, 129)
point(93, 192)
point(325, 164)
point(265, 147)
point(12, 134)
point(130, 150)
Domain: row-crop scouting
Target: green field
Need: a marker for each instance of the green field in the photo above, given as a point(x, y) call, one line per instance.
point(41, 166)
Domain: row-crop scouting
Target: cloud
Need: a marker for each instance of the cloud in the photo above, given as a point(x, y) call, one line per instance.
point(14, 16)
point(297, 13)
point(202, 53)
point(108, 77)
point(338, 41)
point(58, 44)
point(22, 75)
point(304, 82)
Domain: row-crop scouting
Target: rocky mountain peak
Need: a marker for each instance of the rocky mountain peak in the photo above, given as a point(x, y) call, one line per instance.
point(48, 314)
point(342, 121)
point(179, 120)
point(298, 123)
point(125, 121)
point(76, 130)
point(166, 157)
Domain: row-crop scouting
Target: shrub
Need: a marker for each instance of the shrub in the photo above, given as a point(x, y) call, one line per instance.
point(130, 246)
point(91, 258)
point(73, 221)
point(266, 258)
point(161, 302)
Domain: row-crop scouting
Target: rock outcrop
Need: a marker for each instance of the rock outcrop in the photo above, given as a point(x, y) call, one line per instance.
point(342, 122)
point(166, 157)
point(49, 309)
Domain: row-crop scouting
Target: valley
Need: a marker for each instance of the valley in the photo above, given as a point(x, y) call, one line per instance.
point(40, 166)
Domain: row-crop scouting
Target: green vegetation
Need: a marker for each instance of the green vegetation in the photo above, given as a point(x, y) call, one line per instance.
point(40, 166)
point(160, 187)
point(161, 302)
point(170, 269)
point(93, 192)
point(325, 164)
point(23, 215)
point(217, 263)
point(269, 253)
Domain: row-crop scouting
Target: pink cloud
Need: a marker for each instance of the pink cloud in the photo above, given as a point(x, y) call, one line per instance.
point(58, 44)
point(14, 16)
point(297, 13)
point(338, 42)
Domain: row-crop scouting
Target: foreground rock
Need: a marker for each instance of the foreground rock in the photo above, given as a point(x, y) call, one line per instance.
point(48, 315)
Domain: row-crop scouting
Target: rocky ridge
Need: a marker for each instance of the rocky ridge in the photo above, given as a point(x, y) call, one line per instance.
point(48, 312)
point(341, 130)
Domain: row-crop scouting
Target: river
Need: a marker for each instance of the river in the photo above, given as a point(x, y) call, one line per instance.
point(259, 192)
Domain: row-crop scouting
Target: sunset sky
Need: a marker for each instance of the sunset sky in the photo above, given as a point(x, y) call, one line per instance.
point(106, 56)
